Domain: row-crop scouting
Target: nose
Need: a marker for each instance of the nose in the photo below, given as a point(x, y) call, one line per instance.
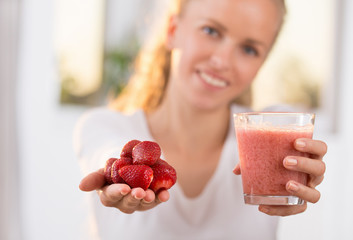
point(222, 57)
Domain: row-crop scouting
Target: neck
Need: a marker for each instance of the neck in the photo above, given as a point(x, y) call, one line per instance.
point(188, 129)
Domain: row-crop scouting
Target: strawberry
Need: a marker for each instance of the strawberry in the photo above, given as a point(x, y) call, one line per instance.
point(164, 176)
point(107, 170)
point(146, 152)
point(137, 175)
point(119, 163)
point(127, 149)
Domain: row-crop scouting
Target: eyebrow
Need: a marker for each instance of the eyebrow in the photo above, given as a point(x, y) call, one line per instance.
point(252, 41)
point(220, 26)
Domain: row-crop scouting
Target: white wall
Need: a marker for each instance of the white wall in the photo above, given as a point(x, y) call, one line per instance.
point(332, 217)
point(339, 207)
point(50, 200)
point(52, 206)
point(121, 19)
point(9, 212)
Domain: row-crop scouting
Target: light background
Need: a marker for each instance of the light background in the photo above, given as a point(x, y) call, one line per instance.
point(52, 207)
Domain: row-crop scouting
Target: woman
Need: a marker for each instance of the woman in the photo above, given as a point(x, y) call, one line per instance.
point(182, 96)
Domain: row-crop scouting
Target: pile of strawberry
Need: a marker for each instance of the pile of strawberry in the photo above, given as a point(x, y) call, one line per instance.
point(140, 165)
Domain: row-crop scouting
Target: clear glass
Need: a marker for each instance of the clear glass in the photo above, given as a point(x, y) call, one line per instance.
point(264, 140)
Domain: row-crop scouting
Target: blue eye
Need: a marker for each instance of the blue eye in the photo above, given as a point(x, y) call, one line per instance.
point(210, 31)
point(250, 51)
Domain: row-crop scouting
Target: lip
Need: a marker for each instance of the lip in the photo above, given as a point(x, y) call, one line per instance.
point(211, 80)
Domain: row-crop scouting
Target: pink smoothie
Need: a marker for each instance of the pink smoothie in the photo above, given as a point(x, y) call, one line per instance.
point(261, 152)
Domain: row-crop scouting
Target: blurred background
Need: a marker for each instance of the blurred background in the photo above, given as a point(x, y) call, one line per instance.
point(59, 58)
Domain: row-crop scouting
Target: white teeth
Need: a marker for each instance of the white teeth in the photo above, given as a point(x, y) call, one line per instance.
point(213, 81)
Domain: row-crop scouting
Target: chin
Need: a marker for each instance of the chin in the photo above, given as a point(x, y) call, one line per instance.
point(208, 105)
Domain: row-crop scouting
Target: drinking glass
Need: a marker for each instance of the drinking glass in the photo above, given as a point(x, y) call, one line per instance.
point(264, 139)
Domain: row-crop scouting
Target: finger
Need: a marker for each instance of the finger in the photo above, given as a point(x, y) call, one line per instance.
point(111, 195)
point(146, 206)
point(314, 181)
point(306, 193)
point(130, 203)
point(115, 192)
point(149, 201)
point(93, 181)
point(150, 196)
point(163, 196)
point(307, 165)
point(308, 145)
point(282, 210)
point(237, 170)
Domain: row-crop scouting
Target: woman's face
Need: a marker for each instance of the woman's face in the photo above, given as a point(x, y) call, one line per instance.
point(218, 47)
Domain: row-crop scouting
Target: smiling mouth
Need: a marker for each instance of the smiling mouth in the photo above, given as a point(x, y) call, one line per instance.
point(216, 82)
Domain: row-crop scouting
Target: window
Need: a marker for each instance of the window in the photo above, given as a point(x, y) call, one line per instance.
point(300, 68)
point(97, 41)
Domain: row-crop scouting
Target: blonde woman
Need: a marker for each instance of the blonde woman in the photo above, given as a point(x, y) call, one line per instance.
point(185, 88)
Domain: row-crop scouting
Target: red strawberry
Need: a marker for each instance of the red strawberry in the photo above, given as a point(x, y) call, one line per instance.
point(164, 176)
point(127, 149)
point(107, 170)
point(119, 163)
point(137, 175)
point(146, 152)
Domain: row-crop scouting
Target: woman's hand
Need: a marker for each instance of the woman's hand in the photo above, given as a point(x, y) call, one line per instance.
point(121, 196)
point(313, 166)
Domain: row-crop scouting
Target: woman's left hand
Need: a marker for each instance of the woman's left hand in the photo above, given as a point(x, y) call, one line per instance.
point(313, 166)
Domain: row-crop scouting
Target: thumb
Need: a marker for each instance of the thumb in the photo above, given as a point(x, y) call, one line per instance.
point(93, 181)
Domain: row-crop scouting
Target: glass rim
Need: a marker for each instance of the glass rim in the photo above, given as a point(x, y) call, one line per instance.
point(259, 113)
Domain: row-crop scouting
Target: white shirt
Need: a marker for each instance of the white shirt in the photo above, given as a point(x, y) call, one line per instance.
point(217, 213)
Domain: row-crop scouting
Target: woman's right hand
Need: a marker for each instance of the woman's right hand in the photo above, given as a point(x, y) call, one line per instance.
point(121, 196)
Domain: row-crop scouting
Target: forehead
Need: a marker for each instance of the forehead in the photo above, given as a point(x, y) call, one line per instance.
point(249, 16)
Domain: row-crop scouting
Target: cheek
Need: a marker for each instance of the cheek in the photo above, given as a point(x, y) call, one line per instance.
point(188, 60)
point(182, 67)
point(248, 69)
point(245, 72)
point(194, 48)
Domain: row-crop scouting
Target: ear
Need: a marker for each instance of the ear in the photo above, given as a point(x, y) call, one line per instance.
point(171, 31)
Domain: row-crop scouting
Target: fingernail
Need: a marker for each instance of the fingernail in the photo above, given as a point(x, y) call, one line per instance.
point(291, 161)
point(300, 143)
point(293, 187)
point(145, 201)
point(124, 192)
point(138, 197)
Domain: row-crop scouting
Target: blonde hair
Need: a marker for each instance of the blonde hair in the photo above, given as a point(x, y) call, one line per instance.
point(146, 87)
